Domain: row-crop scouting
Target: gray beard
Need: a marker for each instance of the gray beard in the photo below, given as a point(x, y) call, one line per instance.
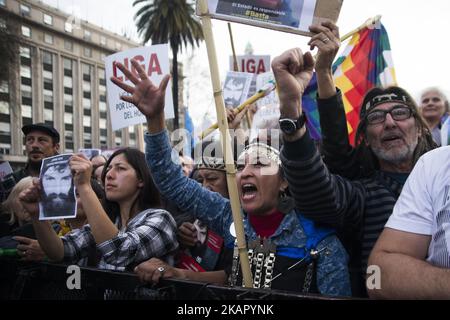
point(396, 156)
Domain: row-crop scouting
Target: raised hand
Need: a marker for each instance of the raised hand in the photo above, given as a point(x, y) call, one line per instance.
point(81, 169)
point(30, 197)
point(326, 39)
point(292, 70)
point(147, 97)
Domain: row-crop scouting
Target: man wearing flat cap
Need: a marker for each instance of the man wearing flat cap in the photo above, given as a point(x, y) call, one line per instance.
point(41, 141)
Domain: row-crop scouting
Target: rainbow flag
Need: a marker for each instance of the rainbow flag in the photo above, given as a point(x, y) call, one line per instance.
point(365, 63)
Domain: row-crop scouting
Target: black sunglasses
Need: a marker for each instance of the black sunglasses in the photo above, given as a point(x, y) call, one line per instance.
point(398, 113)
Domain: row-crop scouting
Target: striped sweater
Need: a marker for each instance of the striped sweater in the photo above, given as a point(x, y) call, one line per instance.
point(358, 209)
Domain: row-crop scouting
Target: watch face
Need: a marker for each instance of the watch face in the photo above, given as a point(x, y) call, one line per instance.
point(287, 126)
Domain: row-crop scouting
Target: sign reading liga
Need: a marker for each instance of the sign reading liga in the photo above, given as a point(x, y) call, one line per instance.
point(293, 16)
point(252, 63)
point(155, 61)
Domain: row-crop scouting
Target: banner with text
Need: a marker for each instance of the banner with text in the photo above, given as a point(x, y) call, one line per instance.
point(251, 64)
point(155, 61)
point(284, 15)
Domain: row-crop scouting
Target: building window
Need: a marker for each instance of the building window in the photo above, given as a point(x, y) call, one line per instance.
point(87, 35)
point(47, 58)
point(3, 3)
point(26, 31)
point(4, 86)
point(25, 52)
point(48, 115)
point(118, 141)
point(24, 10)
point(48, 38)
point(103, 40)
point(87, 52)
point(118, 46)
point(4, 107)
point(102, 123)
point(48, 19)
point(87, 121)
point(25, 71)
point(68, 83)
point(68, 27)
point(67, 64)
point(68, 118)
point(26, 111)
point(68, 45)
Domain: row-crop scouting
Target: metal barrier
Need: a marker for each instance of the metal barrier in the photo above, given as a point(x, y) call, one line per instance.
point(43, 281)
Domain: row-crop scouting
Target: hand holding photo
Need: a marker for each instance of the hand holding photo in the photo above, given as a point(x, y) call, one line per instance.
point(58, 198)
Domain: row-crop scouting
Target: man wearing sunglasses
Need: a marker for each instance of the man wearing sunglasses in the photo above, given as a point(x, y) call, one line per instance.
point(390, 138)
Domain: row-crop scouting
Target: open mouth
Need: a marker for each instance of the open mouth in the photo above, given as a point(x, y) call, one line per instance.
point(391, 138)
point(249, 191)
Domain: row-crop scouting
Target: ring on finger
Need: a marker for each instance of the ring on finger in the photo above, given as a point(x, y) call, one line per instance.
point(161, 269)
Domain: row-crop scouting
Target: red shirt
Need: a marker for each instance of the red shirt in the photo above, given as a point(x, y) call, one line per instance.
point(265, 226)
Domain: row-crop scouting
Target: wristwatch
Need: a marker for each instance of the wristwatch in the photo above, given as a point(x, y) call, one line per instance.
point(289, 126)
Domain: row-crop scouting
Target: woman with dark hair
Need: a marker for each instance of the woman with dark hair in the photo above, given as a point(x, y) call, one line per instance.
point(134, 231)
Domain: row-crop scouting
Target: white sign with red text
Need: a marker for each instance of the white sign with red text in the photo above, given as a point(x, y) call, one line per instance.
point(252, 63)
point(155, 61)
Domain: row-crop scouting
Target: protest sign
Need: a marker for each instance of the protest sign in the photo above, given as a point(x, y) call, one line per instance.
point(5, 169)
point(252, 63)
point(271, 99)
point(294, 16)
point(58, 198)
point(155, 61)
point(255, 64)
point(90, 153)
point(236, 87)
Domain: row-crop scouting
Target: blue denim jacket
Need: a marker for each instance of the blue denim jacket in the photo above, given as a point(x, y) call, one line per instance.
point(215, 210)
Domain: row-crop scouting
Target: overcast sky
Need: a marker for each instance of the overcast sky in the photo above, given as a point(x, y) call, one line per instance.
point(417, 30)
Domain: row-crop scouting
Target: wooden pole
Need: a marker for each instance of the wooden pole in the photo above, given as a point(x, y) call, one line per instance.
point(226, 145)
point(371, 22)
point(236, 68)
point(235, 62)
point(260, 94)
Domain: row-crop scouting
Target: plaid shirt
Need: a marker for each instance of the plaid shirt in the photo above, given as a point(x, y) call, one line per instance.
point(151, 233)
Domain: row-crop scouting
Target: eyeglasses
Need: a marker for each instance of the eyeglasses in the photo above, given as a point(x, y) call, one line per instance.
point(398, 113)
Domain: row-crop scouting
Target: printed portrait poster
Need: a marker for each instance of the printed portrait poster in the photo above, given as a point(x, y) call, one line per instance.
point(58, 198)
point(155, 61)
point(236, 88)
point(271, 99)
point(90, 153)
point(255, 64)
point(292, 14)
point(5, 169)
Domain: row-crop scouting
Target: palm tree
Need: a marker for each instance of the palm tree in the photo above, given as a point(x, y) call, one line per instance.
point(9, 50)
point(173, 22)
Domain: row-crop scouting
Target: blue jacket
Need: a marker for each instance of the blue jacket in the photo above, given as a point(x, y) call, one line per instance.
point(215, 210)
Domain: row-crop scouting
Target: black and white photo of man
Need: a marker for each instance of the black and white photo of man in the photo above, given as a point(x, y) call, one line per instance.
point(235, 90)
point(58, 194)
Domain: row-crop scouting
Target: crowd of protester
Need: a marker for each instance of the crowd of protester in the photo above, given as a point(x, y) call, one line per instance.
point(315, 217)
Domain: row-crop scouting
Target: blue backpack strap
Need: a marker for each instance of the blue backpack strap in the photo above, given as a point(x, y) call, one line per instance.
point(313, 233)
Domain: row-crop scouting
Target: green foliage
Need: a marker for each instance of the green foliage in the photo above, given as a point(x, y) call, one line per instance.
point(9, 51)
point(173, 22)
